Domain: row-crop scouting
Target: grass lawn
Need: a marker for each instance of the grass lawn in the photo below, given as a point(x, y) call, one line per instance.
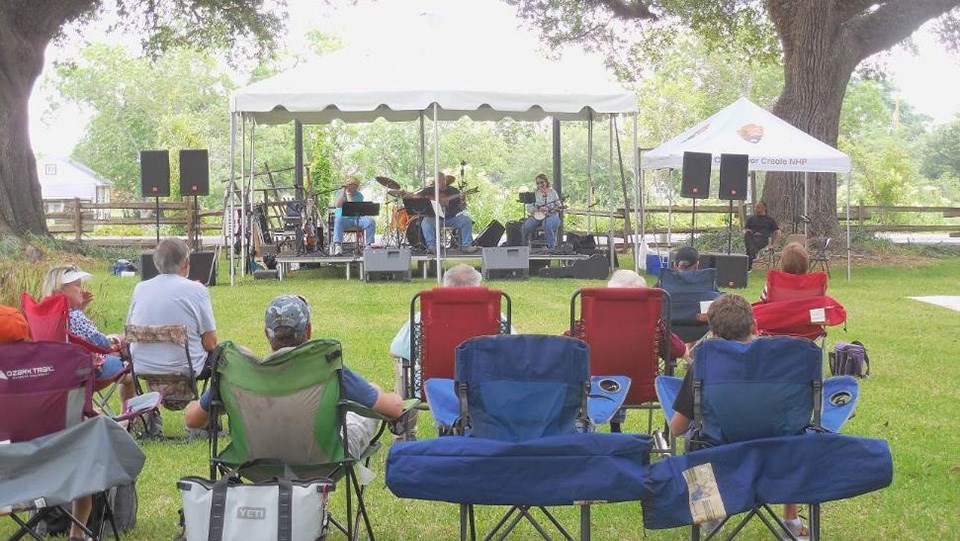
point(911, 400)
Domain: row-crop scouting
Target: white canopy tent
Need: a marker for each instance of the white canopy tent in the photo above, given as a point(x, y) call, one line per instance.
point(437, 82)
point(772, 143)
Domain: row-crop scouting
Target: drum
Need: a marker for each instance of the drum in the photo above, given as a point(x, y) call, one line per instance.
point(399, 219)
point(414, 233)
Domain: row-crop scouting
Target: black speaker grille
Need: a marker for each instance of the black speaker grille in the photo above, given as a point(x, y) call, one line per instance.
point(194, 172)
point(696, 175)
point(154, 173)
point(733, 176)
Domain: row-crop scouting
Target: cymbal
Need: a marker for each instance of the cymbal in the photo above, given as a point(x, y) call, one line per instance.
point(388, 183)
point(397, 193)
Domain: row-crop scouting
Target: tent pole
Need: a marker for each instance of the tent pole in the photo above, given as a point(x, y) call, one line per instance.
point(241, 193)
point(231, 187)
point(589, 171)
point(637, 206)
point(248, 194)
point(806, 208)
point(849, 177)
point(423, 153)
point(610, 190)
point(436, 188)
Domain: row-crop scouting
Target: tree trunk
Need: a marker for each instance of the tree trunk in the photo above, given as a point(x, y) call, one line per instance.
point(21, 61)
point(816, 75)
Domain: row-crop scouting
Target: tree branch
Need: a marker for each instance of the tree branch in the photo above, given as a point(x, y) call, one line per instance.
point(847, 9)
point(891, 23)
point(628, 10)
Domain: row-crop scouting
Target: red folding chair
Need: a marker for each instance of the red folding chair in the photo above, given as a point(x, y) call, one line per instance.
point(48, 320)
point(783, 286)
point(622, 328)
point(447, 317)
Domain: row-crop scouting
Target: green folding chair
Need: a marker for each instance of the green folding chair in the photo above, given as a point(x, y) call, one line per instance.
point(286, 416)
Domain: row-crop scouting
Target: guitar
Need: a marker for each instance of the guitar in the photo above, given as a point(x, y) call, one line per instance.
point(541, 213)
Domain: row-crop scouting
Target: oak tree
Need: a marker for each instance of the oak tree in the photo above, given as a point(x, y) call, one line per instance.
point(28, 26)
point(820, 42)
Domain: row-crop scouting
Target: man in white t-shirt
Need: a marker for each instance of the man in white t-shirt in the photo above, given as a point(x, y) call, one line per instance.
point(171, 299)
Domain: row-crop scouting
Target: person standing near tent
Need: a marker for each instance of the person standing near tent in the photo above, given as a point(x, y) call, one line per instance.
point(544, 213)
point(350, 192)
point(758, 231)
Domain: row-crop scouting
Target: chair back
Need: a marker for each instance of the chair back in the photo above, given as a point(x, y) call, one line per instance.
point(522, 387)
point(449, 316)
point(783, 286)
point(687, 290)
point(768, 387)
point(179, 387)
point(44, 387)
point(47, 319)
point(283, 407)
point(795, 317)
point(621, 327)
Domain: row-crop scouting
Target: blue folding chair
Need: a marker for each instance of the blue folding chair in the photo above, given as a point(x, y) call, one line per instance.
point(766, 397)
point(687, 290)
point(522, 439)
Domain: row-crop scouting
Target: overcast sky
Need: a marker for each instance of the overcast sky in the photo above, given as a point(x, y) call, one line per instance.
point(928, 81)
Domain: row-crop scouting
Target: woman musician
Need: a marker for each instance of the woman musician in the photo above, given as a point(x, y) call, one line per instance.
point(544, 213)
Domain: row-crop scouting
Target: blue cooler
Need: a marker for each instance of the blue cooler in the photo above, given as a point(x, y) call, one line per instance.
point(654, 264)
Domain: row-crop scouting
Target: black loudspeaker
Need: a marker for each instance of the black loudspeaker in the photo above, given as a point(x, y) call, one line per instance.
point(595, 267)
point(154, 173)
point(514, 233)
point(733, 176)
point(731, 269)
point(194, 172)
point(696, 175)
point(491, 236)
point(202, 267)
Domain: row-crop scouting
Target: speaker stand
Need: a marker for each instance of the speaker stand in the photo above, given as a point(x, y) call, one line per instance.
point(195, 219)
point(730, 228)
point(693, 222)
point(156, 214)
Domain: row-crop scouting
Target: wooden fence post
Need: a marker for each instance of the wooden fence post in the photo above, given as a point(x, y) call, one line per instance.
point(77, 219)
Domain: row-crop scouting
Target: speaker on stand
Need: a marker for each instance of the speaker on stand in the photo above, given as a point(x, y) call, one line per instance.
point(155, 178)
point(695, 182)
point(195, 181)
point(733, 185)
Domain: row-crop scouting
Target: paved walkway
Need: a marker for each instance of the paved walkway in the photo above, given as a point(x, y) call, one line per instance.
point(947, 301)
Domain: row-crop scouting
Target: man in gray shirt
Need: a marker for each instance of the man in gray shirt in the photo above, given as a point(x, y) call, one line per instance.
point(171, 299)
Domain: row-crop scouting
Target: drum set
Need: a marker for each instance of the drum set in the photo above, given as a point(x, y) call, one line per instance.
point(404, 226)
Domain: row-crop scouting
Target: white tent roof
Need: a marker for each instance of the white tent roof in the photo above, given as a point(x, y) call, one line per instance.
point(745, 128)
point(463, 79)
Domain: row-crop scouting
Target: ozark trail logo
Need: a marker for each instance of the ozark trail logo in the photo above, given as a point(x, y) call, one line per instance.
point(252, 513)
point(24, 373)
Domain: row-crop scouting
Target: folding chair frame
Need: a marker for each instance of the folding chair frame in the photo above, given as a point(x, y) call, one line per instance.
point(666, 365)
point(28, 527)
point(136, 334)
point(345, 468)
point(516, 513)
point(764, 512)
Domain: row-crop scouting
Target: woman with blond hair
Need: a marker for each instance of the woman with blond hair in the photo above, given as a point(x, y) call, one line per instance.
point(794, 259)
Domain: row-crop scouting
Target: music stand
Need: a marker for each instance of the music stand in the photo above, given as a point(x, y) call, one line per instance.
point(360, 208)
point(418, 206)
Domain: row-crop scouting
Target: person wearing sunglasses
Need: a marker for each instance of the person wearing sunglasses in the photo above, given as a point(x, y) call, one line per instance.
point(544, 213)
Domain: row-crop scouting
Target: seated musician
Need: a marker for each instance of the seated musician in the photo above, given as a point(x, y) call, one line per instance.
point(350, 192)
point(544, 213)
point(454, 211)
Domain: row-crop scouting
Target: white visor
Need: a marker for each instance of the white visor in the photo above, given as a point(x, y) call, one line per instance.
point(74, 275)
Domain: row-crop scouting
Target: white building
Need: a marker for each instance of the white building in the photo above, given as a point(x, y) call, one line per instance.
point(62, 178)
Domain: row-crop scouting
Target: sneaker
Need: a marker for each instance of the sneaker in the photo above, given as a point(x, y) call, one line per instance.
point(797, 528)
point(336, 249)
point(470, 249)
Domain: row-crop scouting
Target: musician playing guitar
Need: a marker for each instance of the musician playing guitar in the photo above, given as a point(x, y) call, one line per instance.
point(544, 213)
point(452, 203)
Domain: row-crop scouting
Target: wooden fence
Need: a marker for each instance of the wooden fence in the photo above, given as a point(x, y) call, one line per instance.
point(78, 219)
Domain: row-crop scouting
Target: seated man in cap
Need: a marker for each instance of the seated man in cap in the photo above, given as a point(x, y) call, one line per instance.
point(286, 326)
point(687, 259)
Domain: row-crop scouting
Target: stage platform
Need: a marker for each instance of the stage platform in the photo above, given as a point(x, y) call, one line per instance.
point(287, 261)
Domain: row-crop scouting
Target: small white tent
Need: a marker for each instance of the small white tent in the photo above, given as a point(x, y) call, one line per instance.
point(772, 143)
point(743, 127)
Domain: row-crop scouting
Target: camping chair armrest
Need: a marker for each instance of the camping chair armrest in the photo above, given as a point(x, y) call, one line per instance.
point(409, 405)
